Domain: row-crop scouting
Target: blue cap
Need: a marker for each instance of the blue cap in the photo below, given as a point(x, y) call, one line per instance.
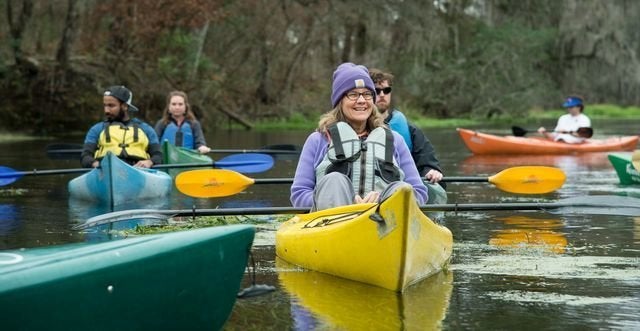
point(572, 102)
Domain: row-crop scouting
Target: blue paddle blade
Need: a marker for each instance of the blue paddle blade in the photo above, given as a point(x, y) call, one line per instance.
point(8, 175)
point(247, 163)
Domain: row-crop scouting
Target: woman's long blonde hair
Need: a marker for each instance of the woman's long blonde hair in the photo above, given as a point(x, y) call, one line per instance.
point(336, 115)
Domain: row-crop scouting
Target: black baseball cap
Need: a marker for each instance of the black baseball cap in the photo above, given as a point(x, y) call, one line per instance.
point(121, 93)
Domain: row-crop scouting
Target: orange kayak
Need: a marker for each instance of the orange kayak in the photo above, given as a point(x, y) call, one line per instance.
point(482, 143)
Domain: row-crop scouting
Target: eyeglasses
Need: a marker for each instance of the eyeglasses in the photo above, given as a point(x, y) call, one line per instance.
point(353, 95)
point(386, 90)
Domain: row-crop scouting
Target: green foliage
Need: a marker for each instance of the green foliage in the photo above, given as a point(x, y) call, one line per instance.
point(181, 57)
point(13, 192)
point(500, 70)
point(295, 121)
point(599, 111)
point(188, 223)
point(271, 62)
point(427, 122)
point(612, 111)
point(11, 137)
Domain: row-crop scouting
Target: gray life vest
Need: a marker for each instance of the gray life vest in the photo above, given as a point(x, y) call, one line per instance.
point(368, 163)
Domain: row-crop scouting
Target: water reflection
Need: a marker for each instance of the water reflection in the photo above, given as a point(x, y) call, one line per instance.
point(10, 219)
point(324, 301)
point(251, 204)
point(566, 162)
point(526, 232)
point(594, 287)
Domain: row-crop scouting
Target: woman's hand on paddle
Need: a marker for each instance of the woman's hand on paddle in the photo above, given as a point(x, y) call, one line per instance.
point(372, 196)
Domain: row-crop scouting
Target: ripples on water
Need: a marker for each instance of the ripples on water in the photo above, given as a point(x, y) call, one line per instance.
point(509, 270)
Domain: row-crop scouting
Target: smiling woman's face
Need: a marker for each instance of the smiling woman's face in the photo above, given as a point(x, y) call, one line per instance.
point(357, 106)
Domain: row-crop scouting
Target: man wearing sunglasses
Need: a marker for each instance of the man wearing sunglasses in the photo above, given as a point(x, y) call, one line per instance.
point(422, 150)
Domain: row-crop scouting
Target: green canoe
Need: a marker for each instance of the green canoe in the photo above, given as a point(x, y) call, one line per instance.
point(627, 173)
point(176, 281)
point(172, 154)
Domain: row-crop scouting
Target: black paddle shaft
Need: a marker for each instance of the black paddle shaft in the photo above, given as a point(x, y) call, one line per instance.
point(584, 132)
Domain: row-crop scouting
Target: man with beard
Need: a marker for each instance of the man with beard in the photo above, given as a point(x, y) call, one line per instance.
point(422, 150)
point(132, 140)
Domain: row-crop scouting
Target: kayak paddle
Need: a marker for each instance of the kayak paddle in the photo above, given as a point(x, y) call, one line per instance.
point(73, 151)
point(584, 132)
point(210, 183)
point(594, 204)
point(246, 163)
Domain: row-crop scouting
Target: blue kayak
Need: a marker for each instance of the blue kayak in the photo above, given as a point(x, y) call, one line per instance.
point(117, 182)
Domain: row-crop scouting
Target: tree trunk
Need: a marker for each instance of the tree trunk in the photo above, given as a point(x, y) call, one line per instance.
point(68, 36)
point(201, 39)
point(597, 58)
point(361, 40)
point(17, 27)
point(262, 91)
point(348, 37)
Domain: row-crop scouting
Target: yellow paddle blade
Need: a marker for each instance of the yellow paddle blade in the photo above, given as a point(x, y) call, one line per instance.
point(211, 183)
point(635, 159)
point(529, 179)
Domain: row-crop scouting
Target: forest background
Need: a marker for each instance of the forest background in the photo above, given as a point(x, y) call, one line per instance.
point(255, 61)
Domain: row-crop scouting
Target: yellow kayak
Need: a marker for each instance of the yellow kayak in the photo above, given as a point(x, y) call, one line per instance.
point(401, 247)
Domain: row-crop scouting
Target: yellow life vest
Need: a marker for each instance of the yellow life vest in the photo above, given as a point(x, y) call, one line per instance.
point(124, 141)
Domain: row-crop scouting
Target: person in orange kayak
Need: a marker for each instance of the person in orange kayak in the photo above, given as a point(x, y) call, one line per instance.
point(569, 126)
point(131, 139)
point(179, 125)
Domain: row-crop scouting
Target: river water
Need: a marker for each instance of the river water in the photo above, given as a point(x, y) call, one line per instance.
point(525, 270)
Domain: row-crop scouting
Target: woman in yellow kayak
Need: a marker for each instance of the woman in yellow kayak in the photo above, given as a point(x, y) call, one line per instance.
point(353, 157)
point(569, 125)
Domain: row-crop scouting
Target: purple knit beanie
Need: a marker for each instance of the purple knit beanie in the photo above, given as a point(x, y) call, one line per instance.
point(347, 77)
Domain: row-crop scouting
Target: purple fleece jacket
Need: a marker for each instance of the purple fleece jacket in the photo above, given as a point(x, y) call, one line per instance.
point(313, 152)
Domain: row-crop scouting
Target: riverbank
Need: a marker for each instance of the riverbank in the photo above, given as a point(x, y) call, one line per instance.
point(6, 137)
point(595, 112)
point(299, 122)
